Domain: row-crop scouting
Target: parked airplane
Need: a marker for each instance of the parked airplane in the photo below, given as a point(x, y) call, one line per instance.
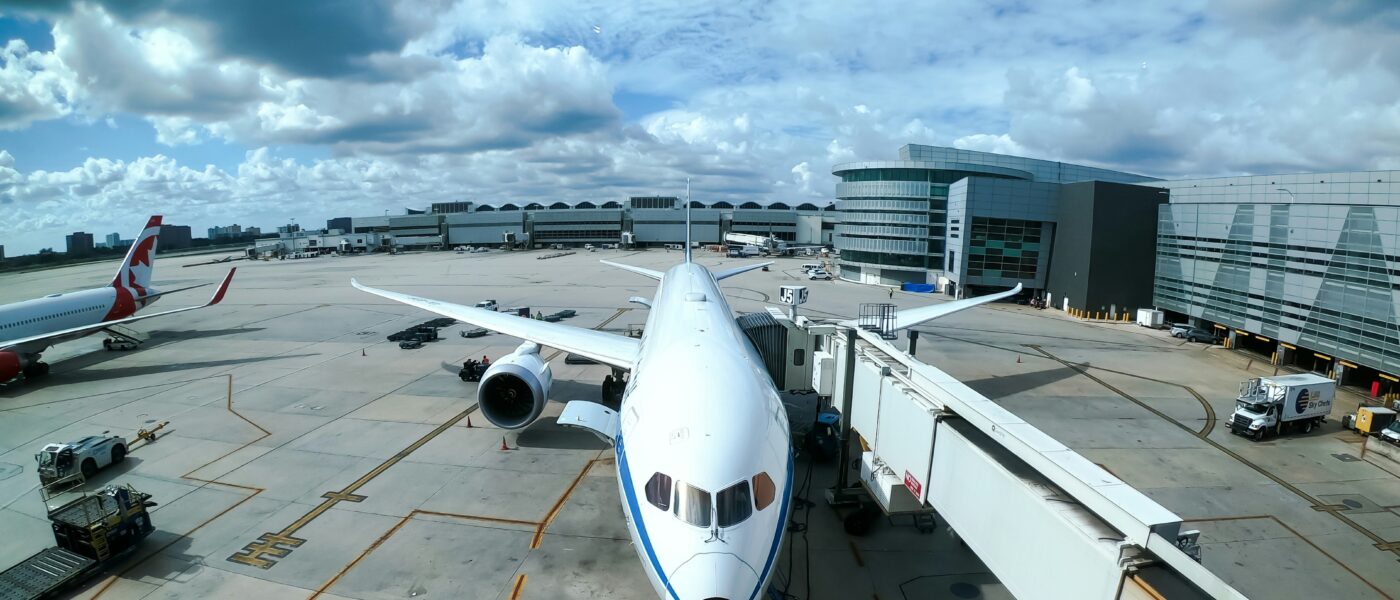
point(28, 328)
point(704, 452)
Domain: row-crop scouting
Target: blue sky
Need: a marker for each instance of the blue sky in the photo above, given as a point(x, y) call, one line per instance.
point(260, 111)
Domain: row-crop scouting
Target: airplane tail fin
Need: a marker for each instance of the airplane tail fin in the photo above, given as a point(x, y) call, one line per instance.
point(687, 220)
point(136, 270)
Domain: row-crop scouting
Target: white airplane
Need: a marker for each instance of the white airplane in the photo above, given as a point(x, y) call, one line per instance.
point(28, 328)
point(704, 452)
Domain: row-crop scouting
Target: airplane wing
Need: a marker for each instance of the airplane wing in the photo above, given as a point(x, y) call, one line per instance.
point(638, 270)
point(910, 317)
point(618, 351)
point(54, 337)
point(727, 273)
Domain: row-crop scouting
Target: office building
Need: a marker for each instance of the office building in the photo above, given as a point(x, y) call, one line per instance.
point(1301, 268)
point(342, 224)
point(174, 237)
point(79, 243)
point(114, 240)
point(224, 233)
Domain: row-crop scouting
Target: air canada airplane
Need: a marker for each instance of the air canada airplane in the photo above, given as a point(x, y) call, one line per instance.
point(28, 328)
point(704, 453)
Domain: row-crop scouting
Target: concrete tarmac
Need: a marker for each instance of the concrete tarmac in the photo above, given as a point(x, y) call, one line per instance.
point(308, 457)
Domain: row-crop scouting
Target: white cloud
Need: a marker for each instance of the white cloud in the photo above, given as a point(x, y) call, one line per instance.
point(34, 86)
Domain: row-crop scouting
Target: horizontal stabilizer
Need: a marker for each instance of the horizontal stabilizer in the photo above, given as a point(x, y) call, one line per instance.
point(638, 270)
point(910, 317)
point(592, 417)
point(727, 273)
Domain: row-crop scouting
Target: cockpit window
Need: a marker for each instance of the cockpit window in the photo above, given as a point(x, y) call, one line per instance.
point(733, 504)
point(659, 491)
point(46, 459)
point(692, 505)
point(763, 490)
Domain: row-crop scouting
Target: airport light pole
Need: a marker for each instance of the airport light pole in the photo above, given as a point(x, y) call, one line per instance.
point(1291, 197)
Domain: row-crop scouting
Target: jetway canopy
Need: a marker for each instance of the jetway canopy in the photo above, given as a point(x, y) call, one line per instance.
point(1047, 521)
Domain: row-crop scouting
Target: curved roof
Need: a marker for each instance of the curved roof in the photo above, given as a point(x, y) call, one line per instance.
point(932, 166)
point(558, 206)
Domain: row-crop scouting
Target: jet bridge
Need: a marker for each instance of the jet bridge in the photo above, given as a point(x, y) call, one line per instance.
point(1048, 522)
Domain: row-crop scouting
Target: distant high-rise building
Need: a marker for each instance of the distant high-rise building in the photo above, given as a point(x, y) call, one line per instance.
point(232, 231)
point(174, 237)
point(114, 240)
point(79, 243)
point(252, 231)
point(341, 223)
point(289, 228)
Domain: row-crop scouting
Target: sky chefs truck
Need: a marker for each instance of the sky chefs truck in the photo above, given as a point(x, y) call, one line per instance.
point(1272, 405)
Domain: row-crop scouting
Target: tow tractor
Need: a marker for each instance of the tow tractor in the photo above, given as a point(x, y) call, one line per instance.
point(88, 532)
point(88, 455)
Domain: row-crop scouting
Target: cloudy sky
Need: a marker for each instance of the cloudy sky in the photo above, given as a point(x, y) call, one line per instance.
point(259, 111)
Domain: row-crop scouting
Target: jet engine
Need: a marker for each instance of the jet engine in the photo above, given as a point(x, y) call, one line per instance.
point(10, 366)
point(514, 390)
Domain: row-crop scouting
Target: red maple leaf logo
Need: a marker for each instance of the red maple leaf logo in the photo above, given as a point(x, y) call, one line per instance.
point(142, 254)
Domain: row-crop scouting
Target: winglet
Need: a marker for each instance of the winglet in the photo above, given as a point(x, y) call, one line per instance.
point(223, 288)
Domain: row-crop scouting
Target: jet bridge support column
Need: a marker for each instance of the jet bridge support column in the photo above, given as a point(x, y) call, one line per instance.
point(843, 493)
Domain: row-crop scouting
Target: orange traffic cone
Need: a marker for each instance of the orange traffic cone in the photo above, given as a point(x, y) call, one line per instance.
point(469, 421)
point(504, 447)
point(1018, 359)
point(362, 352)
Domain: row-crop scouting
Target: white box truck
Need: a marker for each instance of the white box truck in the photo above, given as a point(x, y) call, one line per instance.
point(1272, 405)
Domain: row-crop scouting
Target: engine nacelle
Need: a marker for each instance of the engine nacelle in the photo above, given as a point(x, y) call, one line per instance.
point(10, 366)
point(514, 390)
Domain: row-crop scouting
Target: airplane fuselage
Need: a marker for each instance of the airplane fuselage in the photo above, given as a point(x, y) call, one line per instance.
point(57, 312)
point(704, 458)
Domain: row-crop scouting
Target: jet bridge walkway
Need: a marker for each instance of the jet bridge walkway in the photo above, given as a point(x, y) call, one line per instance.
point(1048, 522)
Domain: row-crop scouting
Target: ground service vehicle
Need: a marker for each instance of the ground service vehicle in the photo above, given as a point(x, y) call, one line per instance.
point(87, 456)
point(1271, 405)
point(117, 343)
point(1369, 420)
point(819, 274)
point(88, 532)
point(1180, 329)
point(487, 304)
point(474, 332)
point(410, 344)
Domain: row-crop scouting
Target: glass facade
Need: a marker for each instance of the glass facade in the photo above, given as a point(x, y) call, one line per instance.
point(1003, 248)
point(897, 224)
point(1319, 277)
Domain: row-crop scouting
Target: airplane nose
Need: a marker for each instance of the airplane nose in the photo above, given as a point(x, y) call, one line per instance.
point(714, 576)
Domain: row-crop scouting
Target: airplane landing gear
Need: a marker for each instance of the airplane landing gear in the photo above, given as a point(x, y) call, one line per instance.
point(613, 386)
point(36, 370)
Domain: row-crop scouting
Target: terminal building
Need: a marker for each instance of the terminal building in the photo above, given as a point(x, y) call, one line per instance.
point(1301, 268)
point(969, 221)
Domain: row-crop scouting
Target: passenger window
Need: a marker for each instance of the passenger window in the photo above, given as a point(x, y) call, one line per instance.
point(733, 504)
point(763, 490)
point(692, 505)
point(659, 491)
